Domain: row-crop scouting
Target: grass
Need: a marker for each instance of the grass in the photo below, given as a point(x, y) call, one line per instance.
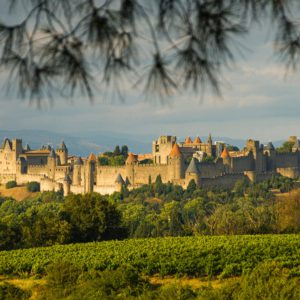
point(19, 193)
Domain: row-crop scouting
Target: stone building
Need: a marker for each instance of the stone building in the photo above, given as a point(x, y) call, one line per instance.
point(175, 162)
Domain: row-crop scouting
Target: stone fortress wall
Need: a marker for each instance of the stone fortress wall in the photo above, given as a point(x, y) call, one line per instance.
point(209, 164)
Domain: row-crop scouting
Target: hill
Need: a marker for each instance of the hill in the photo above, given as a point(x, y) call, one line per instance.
point(19, 193)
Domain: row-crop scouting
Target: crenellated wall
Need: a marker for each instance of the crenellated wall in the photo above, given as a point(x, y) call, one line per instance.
point(226, 181)
point(242, 163)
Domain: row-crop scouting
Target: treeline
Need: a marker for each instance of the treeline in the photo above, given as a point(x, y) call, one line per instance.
point(50, 219)
point(154, 210)
point(114, 158)
point(65, 281)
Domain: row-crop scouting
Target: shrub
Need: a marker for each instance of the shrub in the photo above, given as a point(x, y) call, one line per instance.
point(33, 186)
point(11, 184)
point(9, 291)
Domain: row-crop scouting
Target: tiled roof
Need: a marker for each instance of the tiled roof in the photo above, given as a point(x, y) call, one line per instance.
point(131, 158)
point(225, 153)
point(192, 168)
point(92, 157)
point(175, 151)
point(78, 161)
point(197, 140)
point(188, 140)
point(119, 179)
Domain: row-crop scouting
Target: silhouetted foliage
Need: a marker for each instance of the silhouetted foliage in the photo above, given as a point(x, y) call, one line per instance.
point(60, 47)
point(33, 186)
point(11, 184)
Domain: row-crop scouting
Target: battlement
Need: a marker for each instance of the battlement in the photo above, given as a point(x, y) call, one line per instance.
point(255, 162)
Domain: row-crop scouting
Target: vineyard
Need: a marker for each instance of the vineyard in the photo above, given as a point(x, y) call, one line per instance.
point(193, 256)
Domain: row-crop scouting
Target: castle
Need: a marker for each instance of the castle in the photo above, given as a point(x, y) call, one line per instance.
point(209, 164)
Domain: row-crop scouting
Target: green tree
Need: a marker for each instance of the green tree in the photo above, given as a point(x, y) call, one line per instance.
point(117, 151)
point(286, 147)
point(92, 217)
point(191, 188)
point(124, 151)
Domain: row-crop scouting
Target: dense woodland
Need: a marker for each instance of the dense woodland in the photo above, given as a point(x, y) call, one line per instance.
point(154, 210)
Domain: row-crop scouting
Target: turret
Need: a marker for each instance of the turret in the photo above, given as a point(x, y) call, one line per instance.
point(119, 183)
point(90, 169)
point(176, 164)
point(197, 141)
point(62, 152)
point(209, 146)
point(192, 172)
point(226, 157)
point(131, 161)
point(188, 141)
point(21, 165)
point(67, 185)
point(17, 146)
point(77, 169)
point(51, 164)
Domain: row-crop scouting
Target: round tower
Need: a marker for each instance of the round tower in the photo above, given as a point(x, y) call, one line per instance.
point(51, 164)
point(176, 164)
point(90, 168)
point(131, 161)
point(119, 183)
point(209, 146)
point(62, 152)
point(192, 172)
point(77, 168)
point(226, 157)
point(67, 185)
point(188, 141)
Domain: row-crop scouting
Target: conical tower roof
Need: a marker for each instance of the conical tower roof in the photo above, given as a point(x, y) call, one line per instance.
point(67, 179)
point(52, 153)
point(175, 152)
point(193, 168)
point(197, 140)
point(209, 139)
point(92, 157)
point(63, 146)
point(78, 161)
point(119, 179)
point(131, 158)
point(188, 140)
point(225, 153)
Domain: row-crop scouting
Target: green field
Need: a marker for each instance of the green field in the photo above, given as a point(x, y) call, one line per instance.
point(192, 256)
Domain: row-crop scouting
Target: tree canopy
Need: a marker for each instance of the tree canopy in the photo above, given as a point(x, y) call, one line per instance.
point(54, 47)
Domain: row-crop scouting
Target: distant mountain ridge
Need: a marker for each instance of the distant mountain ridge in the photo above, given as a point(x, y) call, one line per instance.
point(98, 141)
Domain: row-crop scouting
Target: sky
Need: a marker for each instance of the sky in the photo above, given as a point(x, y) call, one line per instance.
point(259, 100)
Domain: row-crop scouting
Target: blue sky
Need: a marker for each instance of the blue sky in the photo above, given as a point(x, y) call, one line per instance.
point(258, 101)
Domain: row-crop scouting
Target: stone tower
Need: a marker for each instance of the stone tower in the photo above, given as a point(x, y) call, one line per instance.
point(271, 157)
point(62, 152)
point(209, 146)
point(226, 157)
point(67, 185)
point(17, 147)
point(51, 164)
point(119, 183)
point(192, 172)
point(131, 161)
point(77, 169)
point(161, 148)
point(176, 164)
point(90, 170)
